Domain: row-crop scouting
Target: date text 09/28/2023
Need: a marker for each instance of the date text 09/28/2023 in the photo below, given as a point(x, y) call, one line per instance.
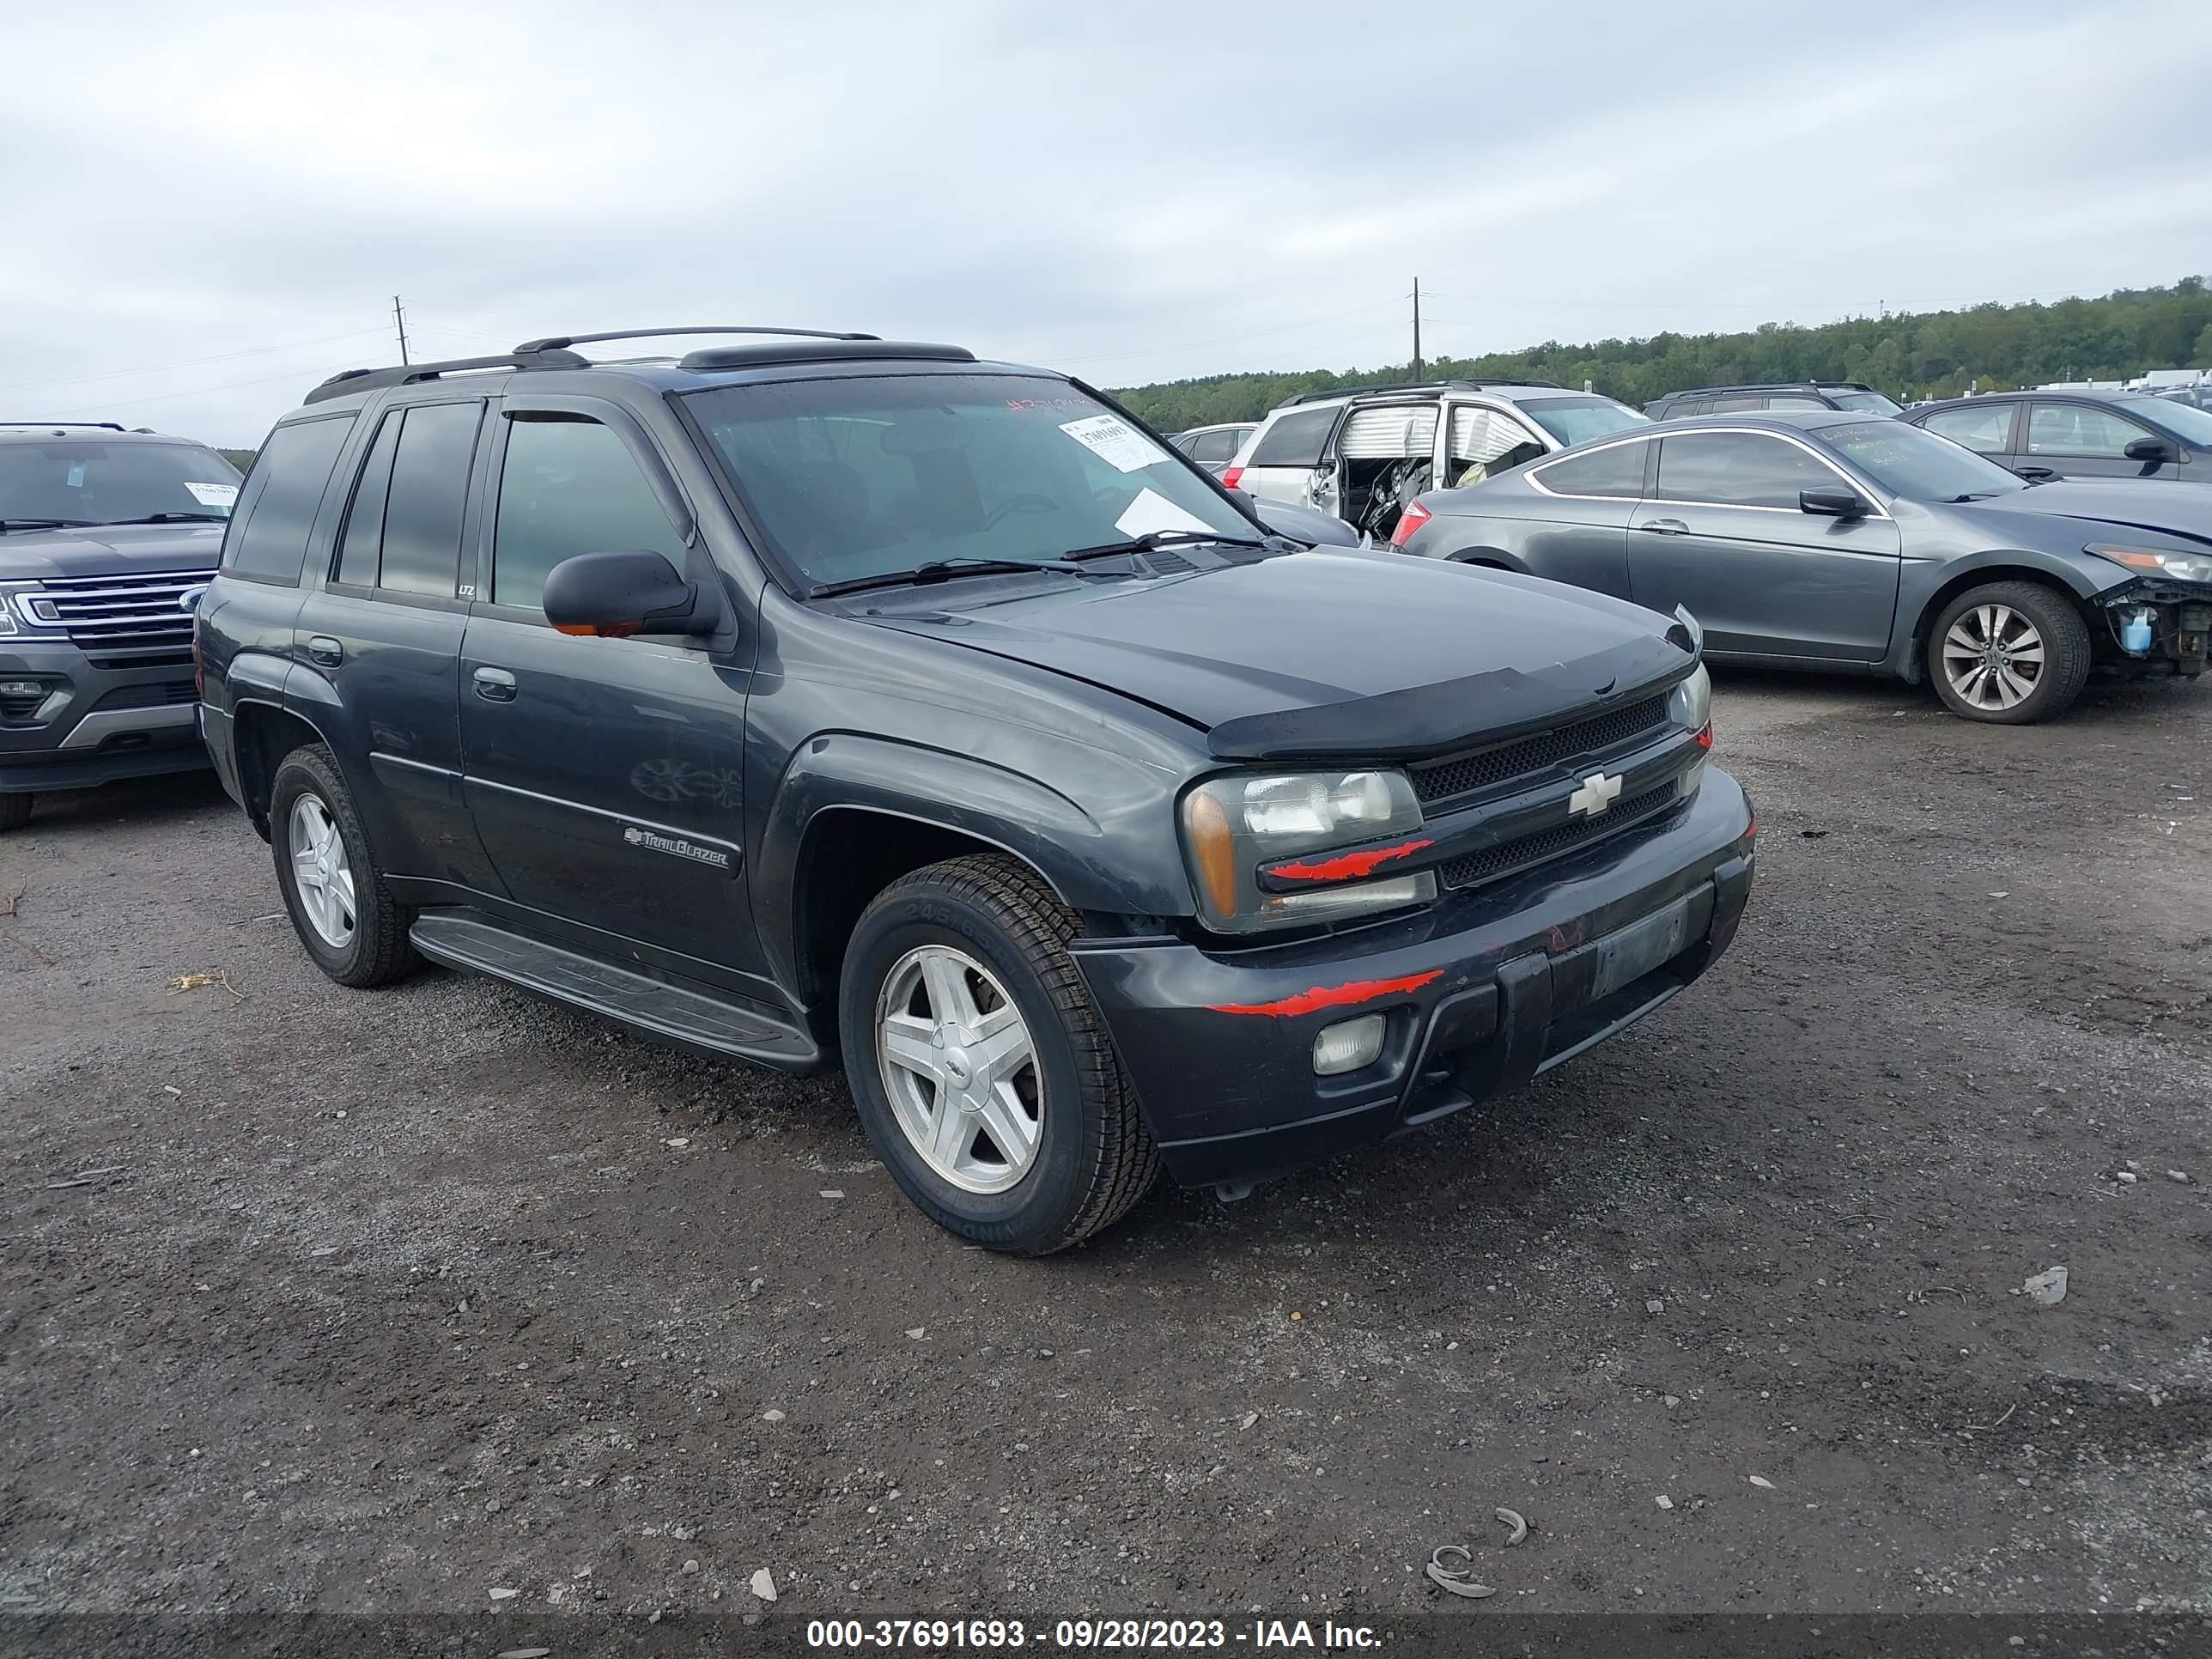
point(983, 1635)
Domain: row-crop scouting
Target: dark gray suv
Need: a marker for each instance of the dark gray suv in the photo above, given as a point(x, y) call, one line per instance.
point(818, 693)
point(107, 537)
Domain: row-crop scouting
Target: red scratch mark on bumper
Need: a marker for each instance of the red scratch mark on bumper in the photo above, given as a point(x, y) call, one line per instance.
point(1332, 996)
point(1351, 864)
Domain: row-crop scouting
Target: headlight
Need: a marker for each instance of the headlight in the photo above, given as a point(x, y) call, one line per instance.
point(1690, 704)
point(1234, 825)
point(2157, 562)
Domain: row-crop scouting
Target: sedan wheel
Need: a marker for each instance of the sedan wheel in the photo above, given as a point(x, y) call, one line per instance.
point(961, 1069)
point(321, 871)
point(1993, 656)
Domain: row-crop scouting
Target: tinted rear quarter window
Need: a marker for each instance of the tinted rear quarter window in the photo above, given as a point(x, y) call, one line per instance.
point(1616, 471)
point(1214, 447)
point(1988, 429)
point(1295, 439)
point(267, 535)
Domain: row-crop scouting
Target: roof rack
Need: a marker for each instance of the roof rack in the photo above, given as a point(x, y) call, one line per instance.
point(89, 426)
point(347, 381)
point(551, 352)
point(1416, 385)
point(1770, 386)
point(556, 342)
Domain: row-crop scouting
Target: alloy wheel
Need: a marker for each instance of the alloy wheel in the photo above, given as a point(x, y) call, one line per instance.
point(321, 871)
point(1993, 657)
point(961, 1069)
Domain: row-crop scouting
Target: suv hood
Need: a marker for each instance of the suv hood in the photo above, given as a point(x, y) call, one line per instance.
point(1327, 655)
point(114, 550)
point(2182, 511)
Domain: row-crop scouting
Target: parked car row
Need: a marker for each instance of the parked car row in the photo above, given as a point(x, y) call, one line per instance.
point(809, 698)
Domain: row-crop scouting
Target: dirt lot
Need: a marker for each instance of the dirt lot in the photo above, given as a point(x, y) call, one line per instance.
point(345, 1301)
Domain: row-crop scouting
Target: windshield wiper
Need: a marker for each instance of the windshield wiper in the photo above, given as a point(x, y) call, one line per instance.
point(1152, 538)
point(7, 525)
point(937, 570)
point(1974, 496)
point(176, 518)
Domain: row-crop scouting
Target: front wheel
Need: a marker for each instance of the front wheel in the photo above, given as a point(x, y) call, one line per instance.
point(980, 1068)
point(2010, 653)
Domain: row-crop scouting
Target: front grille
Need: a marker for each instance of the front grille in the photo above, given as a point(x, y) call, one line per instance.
point(1486, 768)
point(124, 622)
point(1508, 856)
point(160, 694)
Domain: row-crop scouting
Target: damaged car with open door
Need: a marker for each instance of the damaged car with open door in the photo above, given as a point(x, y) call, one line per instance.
point(1363, 453)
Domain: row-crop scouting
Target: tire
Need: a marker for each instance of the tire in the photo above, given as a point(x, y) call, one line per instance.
point(15, 811)
point(1972, 690)
point(374, 949)
point(1088, 1156)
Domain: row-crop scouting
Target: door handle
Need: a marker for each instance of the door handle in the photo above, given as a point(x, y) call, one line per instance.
point(1665, 527)
point(322, 648)
point(495, 685)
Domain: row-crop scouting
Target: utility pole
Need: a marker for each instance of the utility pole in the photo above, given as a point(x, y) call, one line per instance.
point(1417, 330)
point(399, 322)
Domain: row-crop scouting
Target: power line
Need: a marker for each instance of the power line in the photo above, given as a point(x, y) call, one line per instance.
point(195, 392)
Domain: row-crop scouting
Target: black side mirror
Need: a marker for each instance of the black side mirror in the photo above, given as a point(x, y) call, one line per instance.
point(2149, 449)
point(1835, 502)
point(633, 591)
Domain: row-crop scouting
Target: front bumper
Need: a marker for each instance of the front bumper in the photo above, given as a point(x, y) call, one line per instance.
point(88, 725)
point(1482, 991)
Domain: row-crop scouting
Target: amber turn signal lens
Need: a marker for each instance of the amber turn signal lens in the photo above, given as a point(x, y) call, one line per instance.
point(1214, 846)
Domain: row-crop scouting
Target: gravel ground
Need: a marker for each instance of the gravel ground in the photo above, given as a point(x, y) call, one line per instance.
point(341, 1301)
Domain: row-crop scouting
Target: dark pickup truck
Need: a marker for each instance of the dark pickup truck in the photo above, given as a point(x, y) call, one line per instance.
point(107, 538)
point(813, 693)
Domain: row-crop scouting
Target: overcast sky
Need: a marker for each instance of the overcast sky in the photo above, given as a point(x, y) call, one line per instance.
point(208, 207)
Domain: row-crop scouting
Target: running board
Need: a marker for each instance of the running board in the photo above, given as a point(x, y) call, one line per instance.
point(746, 1030)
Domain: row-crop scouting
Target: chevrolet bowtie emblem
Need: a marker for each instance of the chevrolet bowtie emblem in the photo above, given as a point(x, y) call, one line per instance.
point(1597, 793)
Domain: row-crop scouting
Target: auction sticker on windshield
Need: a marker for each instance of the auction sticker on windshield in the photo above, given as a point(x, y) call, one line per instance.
point(214, 494)
point(1115, 441)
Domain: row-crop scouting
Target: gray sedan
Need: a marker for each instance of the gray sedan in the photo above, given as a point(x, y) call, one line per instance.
point(1826, 539)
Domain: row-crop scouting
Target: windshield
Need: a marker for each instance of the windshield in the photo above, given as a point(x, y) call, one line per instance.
point(1865, 402)
point(87, 481)
point(868, 477)
point(1577, 420)
point(1916, 465)
point(2185, 421)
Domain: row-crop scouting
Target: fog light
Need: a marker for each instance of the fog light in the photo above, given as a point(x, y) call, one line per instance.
point(1348, 1045)
point(20, 688)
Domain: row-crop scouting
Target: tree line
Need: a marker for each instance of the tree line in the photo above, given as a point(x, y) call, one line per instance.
point(1940, 353)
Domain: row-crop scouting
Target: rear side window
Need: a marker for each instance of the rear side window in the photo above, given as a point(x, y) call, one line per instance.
point(1739, 468)
point(1740, 404)
point(276, 513)
point(1987, 430)
point(403, 533)
point(570, 485)
point(1215, 448)
point(1295, 439)
point(1614, 471)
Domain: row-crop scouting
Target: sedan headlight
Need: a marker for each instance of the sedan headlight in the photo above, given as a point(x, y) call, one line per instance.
point(2157, 561)
point(1235, 825)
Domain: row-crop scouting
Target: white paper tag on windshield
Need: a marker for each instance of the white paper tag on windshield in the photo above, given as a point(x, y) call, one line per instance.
point(214, 494)
point(1153, 511)
point(1115, 441)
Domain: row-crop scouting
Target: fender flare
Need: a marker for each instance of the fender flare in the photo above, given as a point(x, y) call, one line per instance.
point(1044, 828)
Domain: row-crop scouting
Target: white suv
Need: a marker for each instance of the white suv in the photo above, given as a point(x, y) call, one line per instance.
point(1362, 452)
